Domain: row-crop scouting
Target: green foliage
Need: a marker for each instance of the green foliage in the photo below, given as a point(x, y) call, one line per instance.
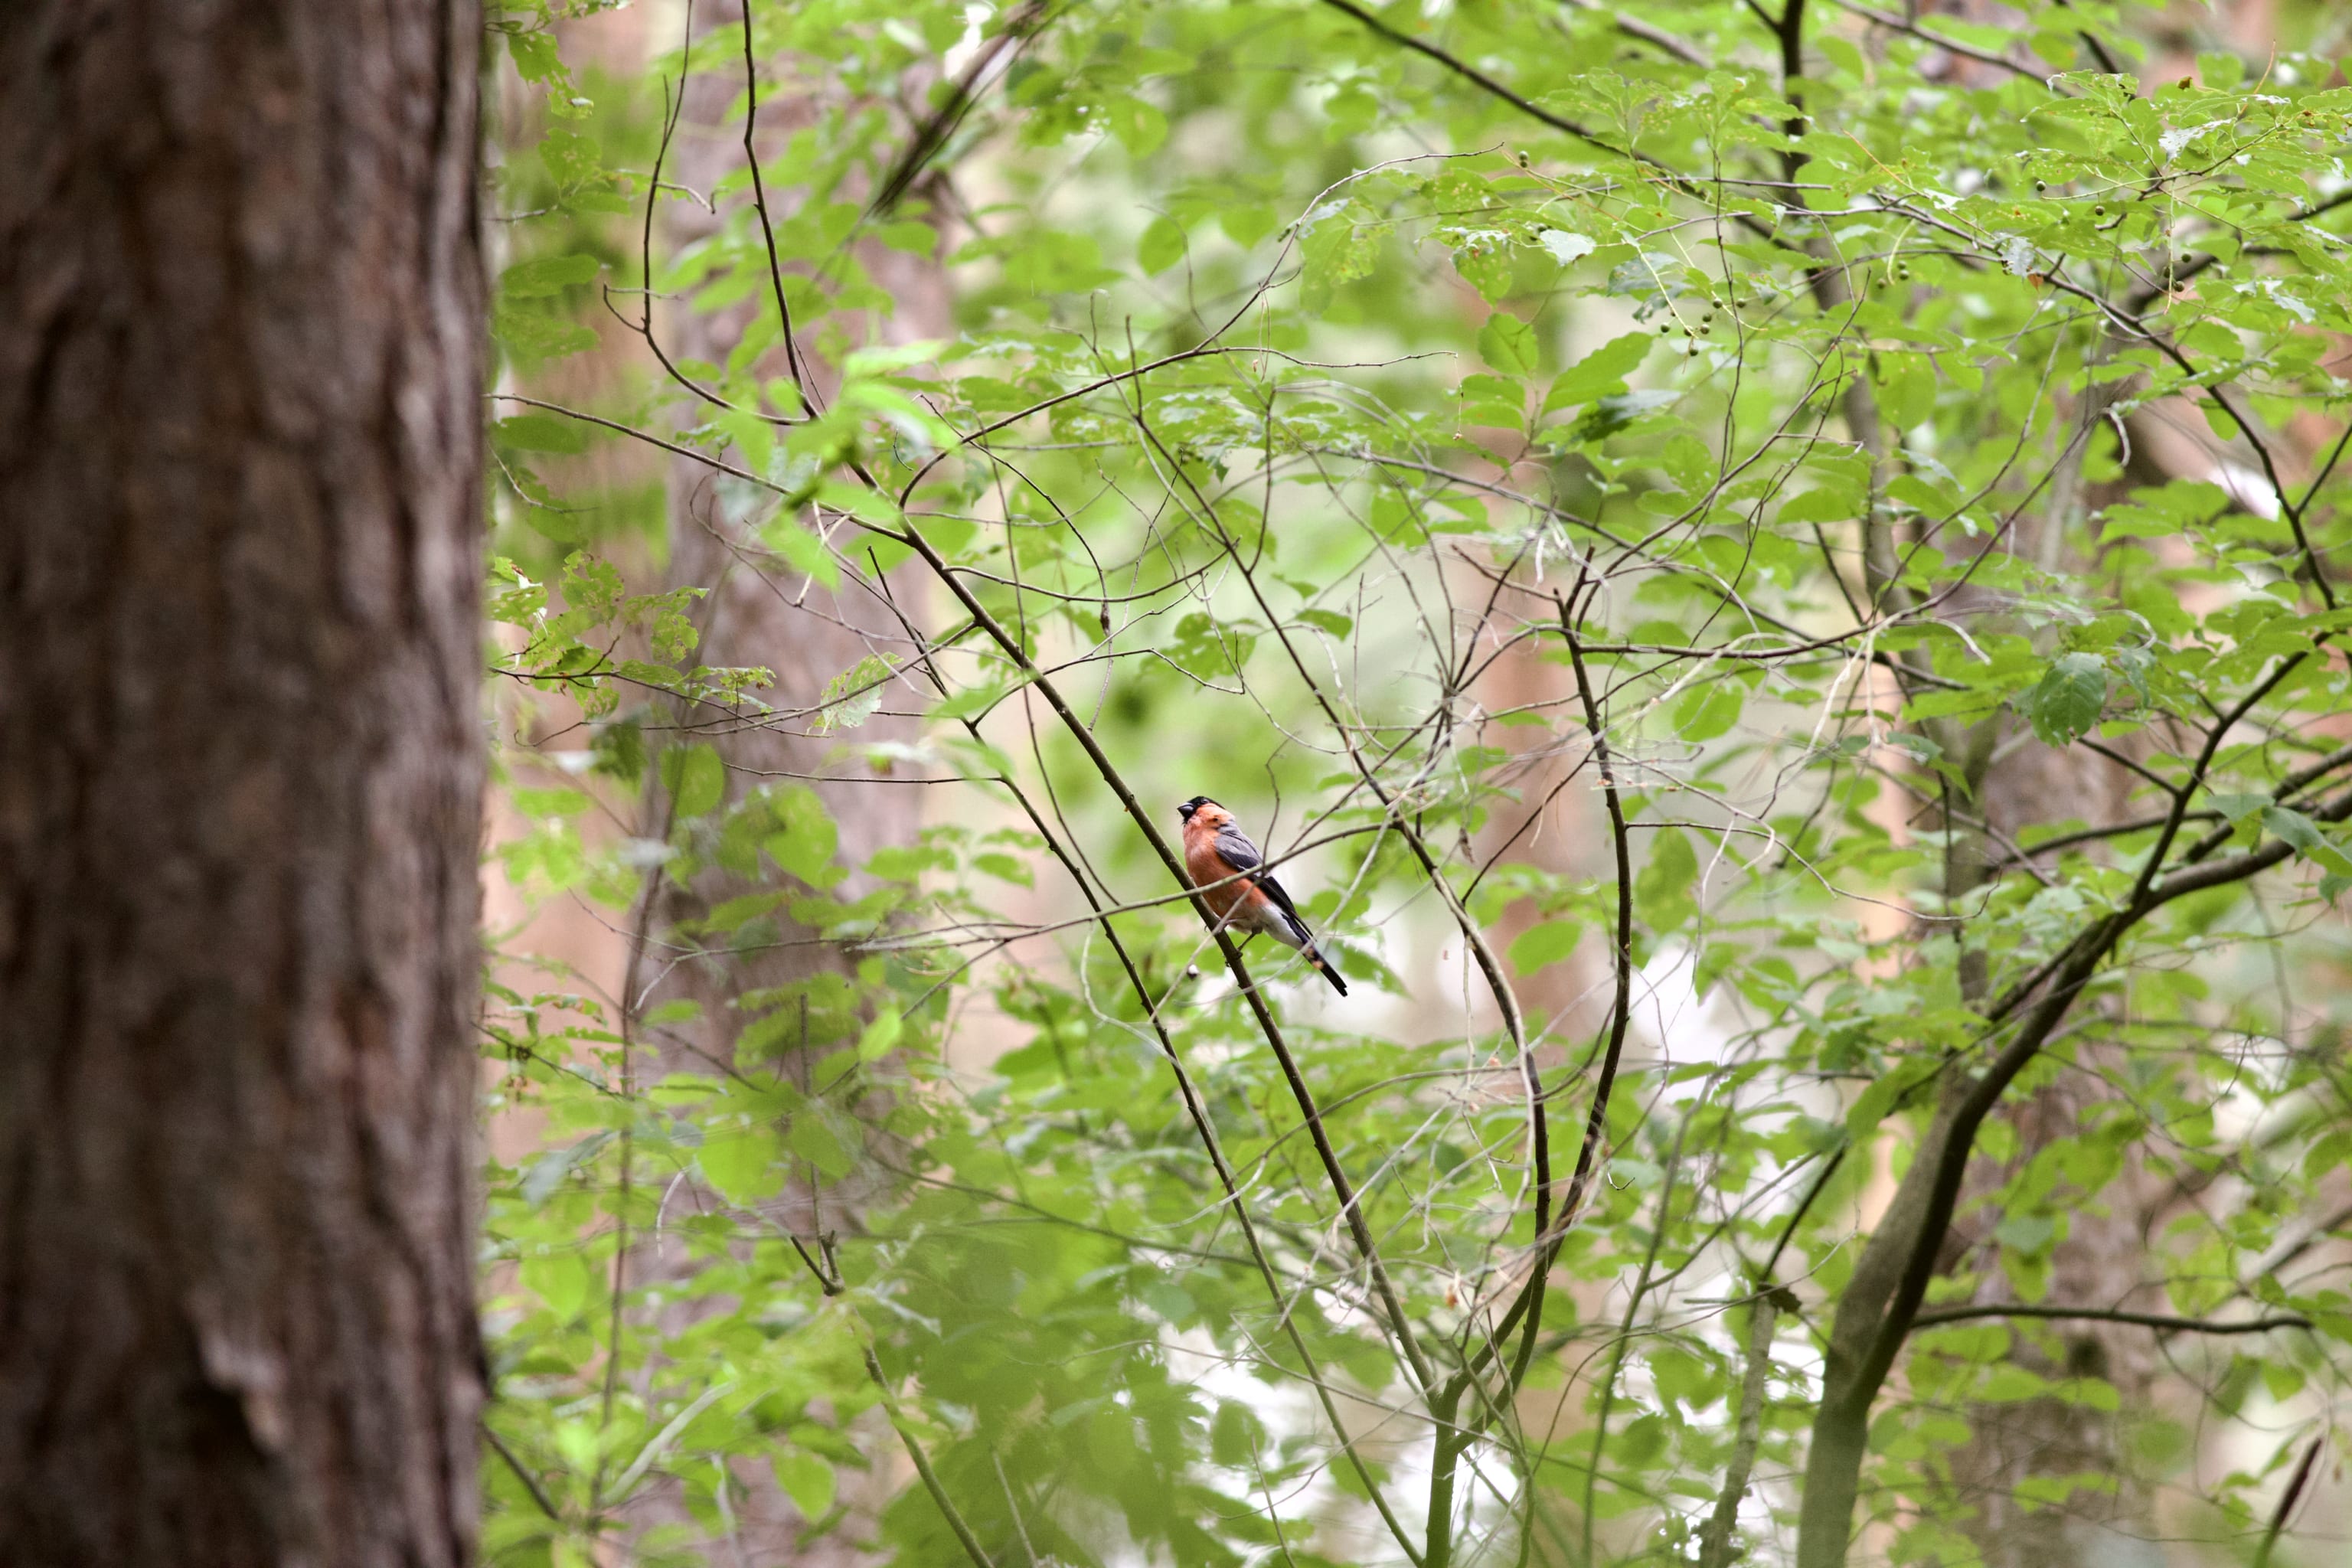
point(1547, 472)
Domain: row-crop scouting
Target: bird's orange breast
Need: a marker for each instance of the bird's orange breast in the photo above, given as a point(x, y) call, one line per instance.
point(1206, 865)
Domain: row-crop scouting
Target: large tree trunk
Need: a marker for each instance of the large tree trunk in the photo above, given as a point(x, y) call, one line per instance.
point(239, 664)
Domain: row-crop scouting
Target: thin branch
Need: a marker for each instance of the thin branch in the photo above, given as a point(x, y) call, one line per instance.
point(2287, 1499)
point(530, 1482)
point(803, 388)
point(1714, 1539)
point(1351, 1211)
point(1472, 74)
point(1621, 1006)
point(930, 1477)
point(987, 66)
point(1198, 1113)
point(2164, 1320)
point(1950, 45)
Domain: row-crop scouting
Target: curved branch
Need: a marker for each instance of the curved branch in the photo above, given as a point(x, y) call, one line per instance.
point(1881, 1301)
point(803, 388)
point(1197, 1110)
point(1621, 1008)
point(1350, 1208)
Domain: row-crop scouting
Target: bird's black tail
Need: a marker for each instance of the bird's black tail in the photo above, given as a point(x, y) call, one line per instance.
point(1325, 968)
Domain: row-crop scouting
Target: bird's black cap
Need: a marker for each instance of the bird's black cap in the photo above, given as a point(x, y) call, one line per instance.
point(1193, 804)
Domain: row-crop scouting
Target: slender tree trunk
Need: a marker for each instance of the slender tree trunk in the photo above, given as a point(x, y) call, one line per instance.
point(240, 666)
point(2009, 788)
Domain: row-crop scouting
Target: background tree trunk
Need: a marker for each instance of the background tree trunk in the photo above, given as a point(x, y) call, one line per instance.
point(756, 612)
point(2101, 1261)
point(240, 307)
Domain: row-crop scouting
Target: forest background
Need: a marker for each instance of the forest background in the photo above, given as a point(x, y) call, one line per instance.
point(1771, 577)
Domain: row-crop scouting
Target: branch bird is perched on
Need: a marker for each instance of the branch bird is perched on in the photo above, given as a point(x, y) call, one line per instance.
point(1215, 850)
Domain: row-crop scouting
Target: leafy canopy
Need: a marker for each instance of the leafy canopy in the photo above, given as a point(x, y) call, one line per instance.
point(1622, 503)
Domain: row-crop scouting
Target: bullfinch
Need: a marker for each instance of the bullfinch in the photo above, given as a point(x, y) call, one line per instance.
point(1216, 849)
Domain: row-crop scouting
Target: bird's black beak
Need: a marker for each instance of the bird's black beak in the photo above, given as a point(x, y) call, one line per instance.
point(1186, 810)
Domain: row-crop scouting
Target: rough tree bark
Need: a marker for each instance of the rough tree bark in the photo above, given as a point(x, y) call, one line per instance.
point(240, 307)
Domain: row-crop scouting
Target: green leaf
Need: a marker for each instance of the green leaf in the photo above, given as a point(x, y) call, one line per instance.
point(1247, 224)
point(2236, 808)
point(2026, 1232)
point(533, 337)
point(973, 700)
point(1826, 503)
point(1485, 263)
point(1003, 867)
point(1565, 247)
point(542, 433)
point(1661, 890)
point(2294, 828)
point(1236, 1437)
point(912, 236)
point(814, 1138)
point(1162, 246)
point(695, 777)
point(547, 275)
point(881, 1035)
point(1599, 374)
point(805, 836)
point(564, 1281)
point(2067, 703)
point(1334, 251)
point(754, 438)
point(1909, 490)
point(1508, 344)
point(743, 1163)
point(1540, 946)
point(855, 695)
point(1140, 126)
point(1346, 1478)
point(807, 1480)
point(1708, 710)
point(805, 551)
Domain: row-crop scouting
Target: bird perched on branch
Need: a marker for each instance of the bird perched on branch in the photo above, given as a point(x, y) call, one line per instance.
point(1215, 850)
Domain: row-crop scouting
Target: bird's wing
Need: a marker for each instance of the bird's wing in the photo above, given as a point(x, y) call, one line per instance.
point(1281, 897)
point(1236, 850)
